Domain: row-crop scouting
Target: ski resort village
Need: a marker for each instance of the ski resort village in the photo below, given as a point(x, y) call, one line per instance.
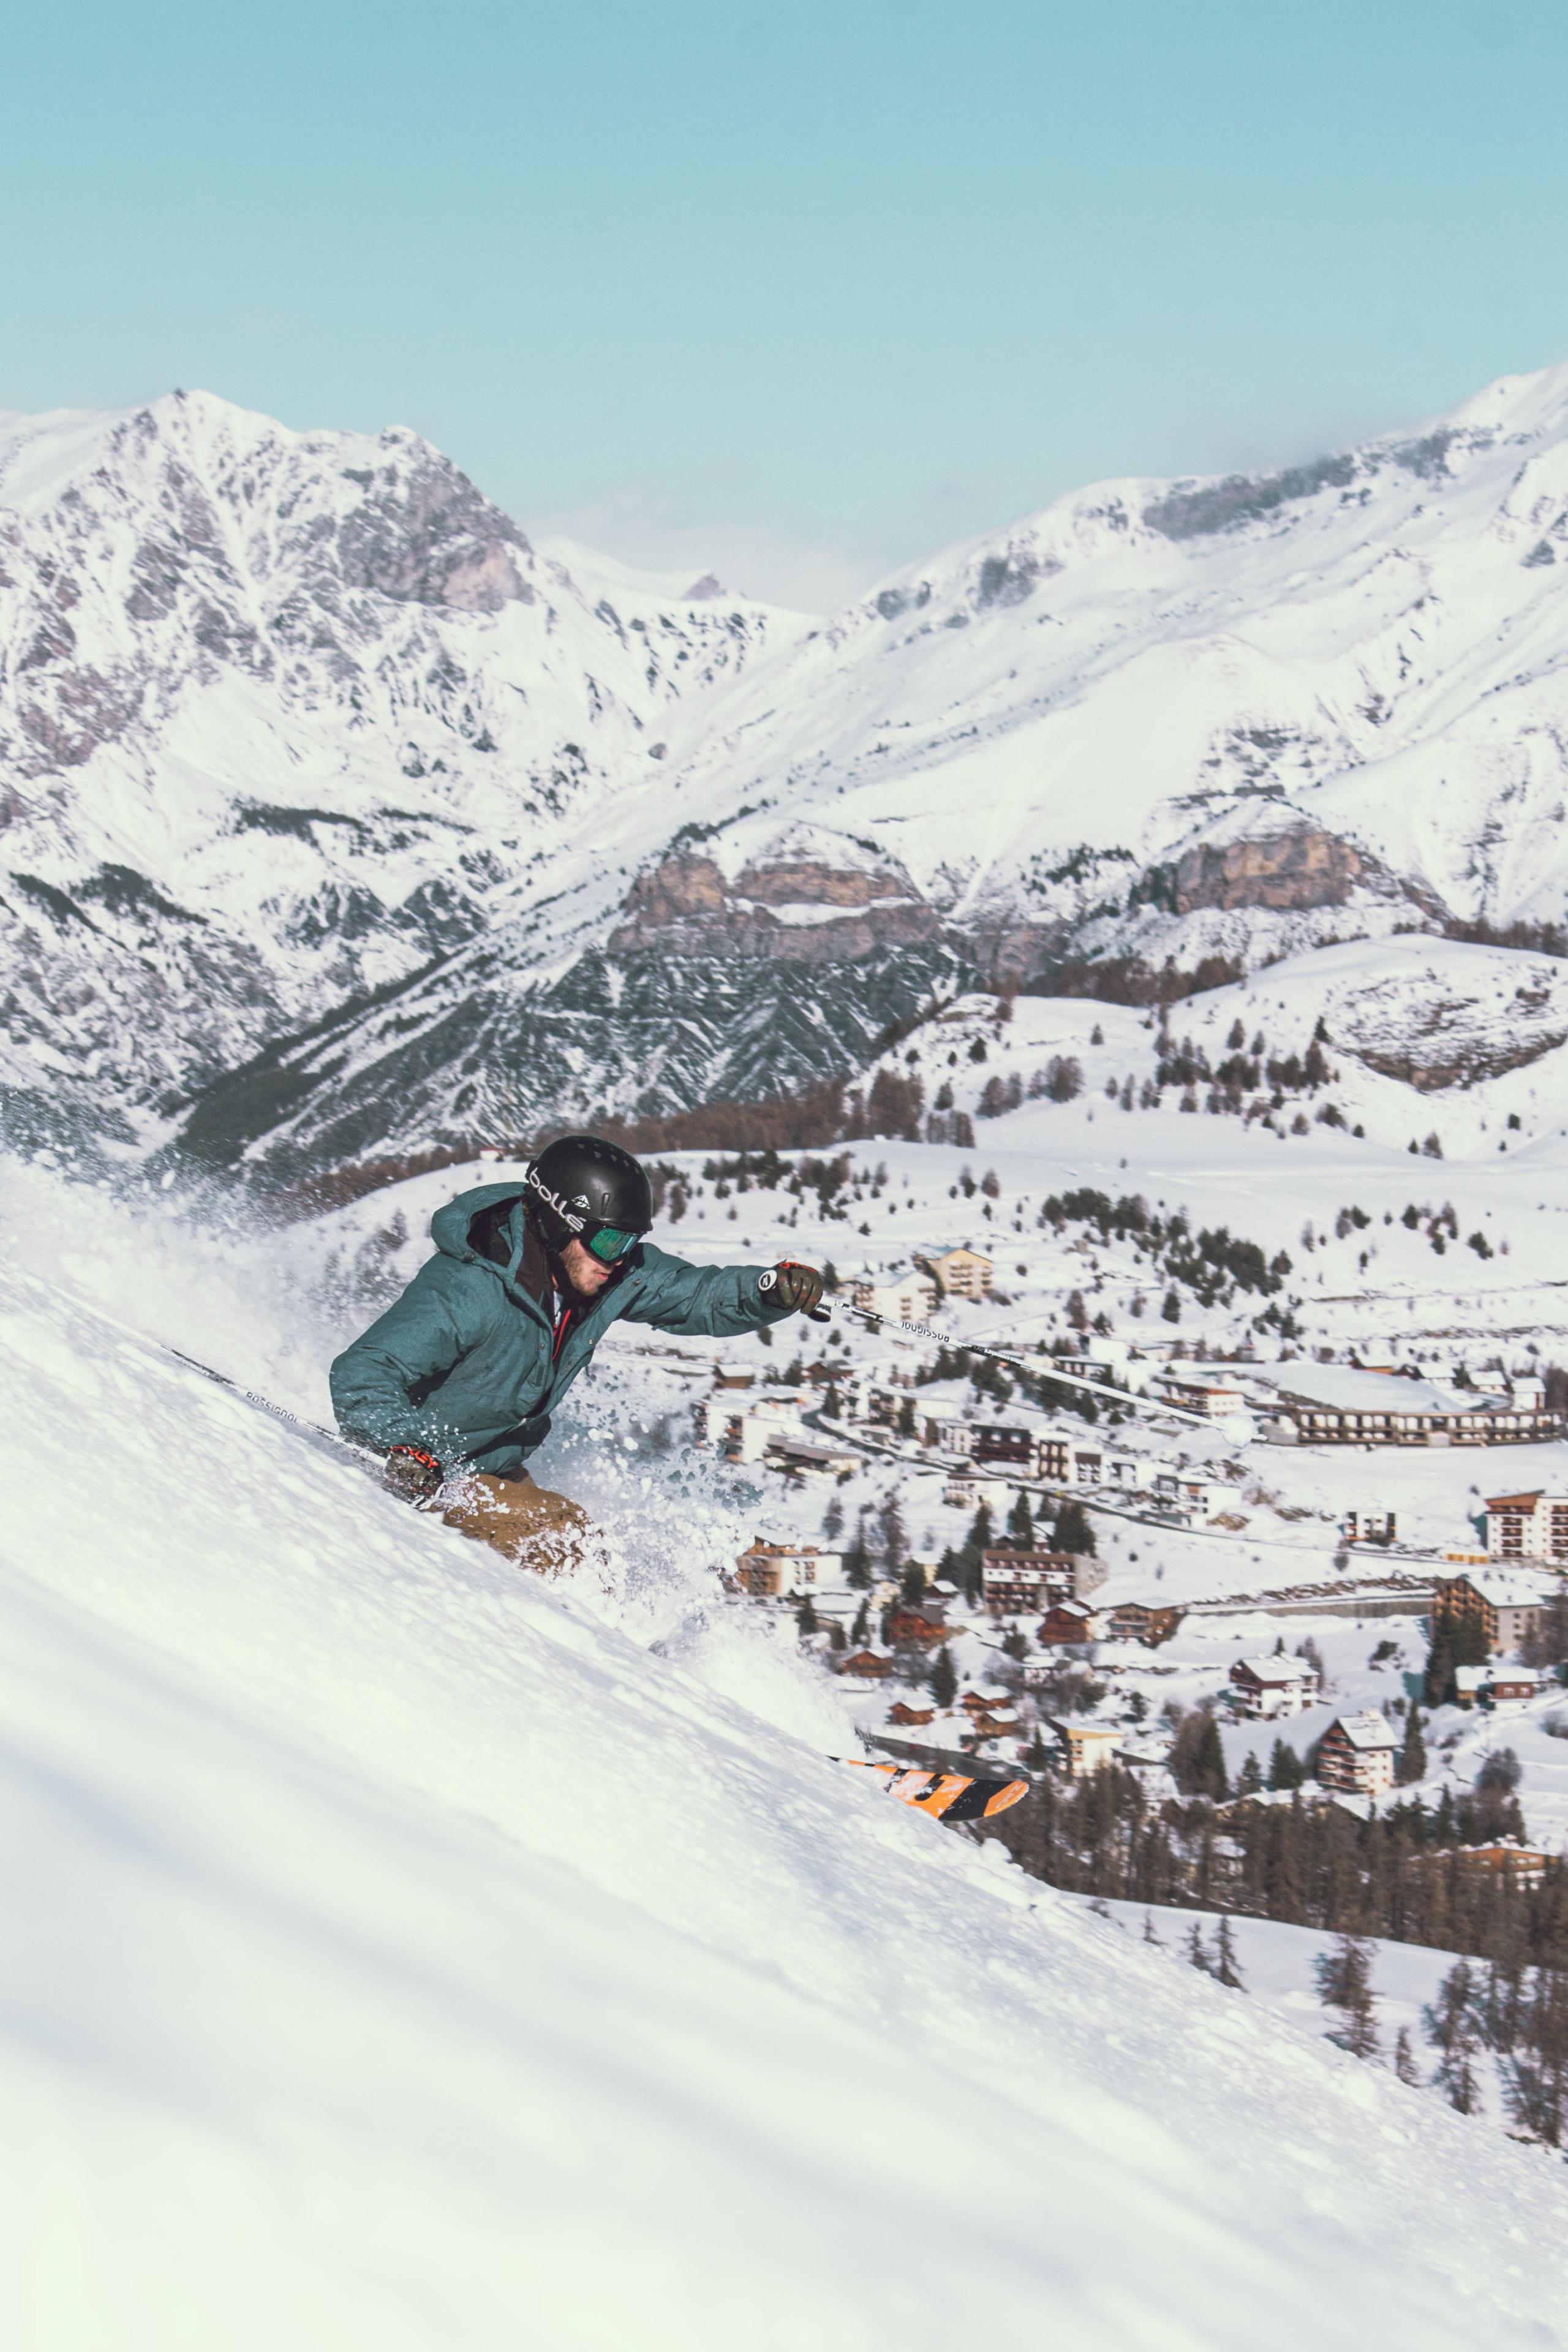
point(786, 1545)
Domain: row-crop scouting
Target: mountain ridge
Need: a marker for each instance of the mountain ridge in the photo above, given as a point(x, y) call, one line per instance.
point(301, 738)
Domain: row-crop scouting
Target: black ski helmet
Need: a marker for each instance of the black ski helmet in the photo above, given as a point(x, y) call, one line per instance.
point(580, 1182)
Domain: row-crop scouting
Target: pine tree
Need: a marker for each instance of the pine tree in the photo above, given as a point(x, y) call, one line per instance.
point(833, 1519)
point(1250, 1780)
point(1405, 2064)
point(858, 1564)
point(1225, 1965)
point(1286, 1769)
point(1197, 1951)
point(835, 1638)
point(1413, 1751)
point(860, 1631)
point(1344, 1983)
point(1072, 1531)
point(1535, 2075)
point(944, 1679)
point(1451, 2024)
point(806, 1616)
point(1021, 1523)
point(1207, 1768)
point(1149, 1935)
point(1438, 1680)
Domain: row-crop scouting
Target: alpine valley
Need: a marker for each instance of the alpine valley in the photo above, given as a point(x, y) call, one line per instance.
point(341, 821)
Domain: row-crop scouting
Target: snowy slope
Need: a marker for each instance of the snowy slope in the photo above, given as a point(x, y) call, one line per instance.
point(401, 1952)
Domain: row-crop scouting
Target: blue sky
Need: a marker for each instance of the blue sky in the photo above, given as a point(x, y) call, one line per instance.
point(802, 290)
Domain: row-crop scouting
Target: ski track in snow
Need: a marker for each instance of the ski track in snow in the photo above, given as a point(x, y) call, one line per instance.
point(397, 1951)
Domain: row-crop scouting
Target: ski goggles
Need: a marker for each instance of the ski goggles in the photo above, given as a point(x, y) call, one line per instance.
point(609, 1244)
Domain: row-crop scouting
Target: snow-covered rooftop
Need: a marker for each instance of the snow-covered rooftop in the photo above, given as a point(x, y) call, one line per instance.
point(1369, 1730)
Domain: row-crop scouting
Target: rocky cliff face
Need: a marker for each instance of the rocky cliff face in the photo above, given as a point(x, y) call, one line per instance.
point(335, 812)
point(800, 911)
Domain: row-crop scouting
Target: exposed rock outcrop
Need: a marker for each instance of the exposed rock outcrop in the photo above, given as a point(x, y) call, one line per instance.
point(797, 910)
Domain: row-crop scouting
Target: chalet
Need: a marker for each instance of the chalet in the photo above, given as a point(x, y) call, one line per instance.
point(1470, 1684)
point(1357, 1753)
point(1524, 1865)
point(787, 1452)
point(1333, 1404)
point(866, 1666)
point(1206, 1496)
point(1273, 1686)
point(1012, 1581)
point(948, 1429)
point(1197, 1389)
point(976, 1703)
point(1512, 1684)
point(1003, 1443)
point(1142, 1621)
point(1086, 1747)
point(1370, 1527)
point(744, 1433)
point(909, 1298)
point(989, 1727)
point(768, 1571)
point(907, 1627)
point(1531, 1526)
point(1503, 1604)
point(959, 1273)
point(1053, 1460)
point(968, 1489)
point(1069, 1621)
point(910, 1717)
point(735, 1376)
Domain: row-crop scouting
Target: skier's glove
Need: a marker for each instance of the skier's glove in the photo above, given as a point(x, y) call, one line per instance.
point(415, 1477)
point(798, 1287)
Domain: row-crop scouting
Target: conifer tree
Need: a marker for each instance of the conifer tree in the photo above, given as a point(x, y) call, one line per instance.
point(1149, 1935)
point(1197, 1951)
point(860, 1631)
point(944, 1678)
point(1405, 2064)
point(1451, 2024)
point(1438, 1680)
point(1286, 1769)
point(806, 1616)
point(1413, 1749)
point(1226, 1968)
point(1072, 1531)
point(1249, 1779)
point(1021, 1523)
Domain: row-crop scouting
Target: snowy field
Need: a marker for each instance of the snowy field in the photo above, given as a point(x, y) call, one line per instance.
point(400, 1952)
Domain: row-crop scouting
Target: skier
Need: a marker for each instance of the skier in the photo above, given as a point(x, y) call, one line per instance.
point(456, 1383)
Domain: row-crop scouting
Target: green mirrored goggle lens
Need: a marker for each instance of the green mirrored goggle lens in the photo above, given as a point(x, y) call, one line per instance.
point(609, 1244)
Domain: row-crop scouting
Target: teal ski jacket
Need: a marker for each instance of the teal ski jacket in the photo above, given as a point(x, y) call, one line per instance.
point(465, 1364)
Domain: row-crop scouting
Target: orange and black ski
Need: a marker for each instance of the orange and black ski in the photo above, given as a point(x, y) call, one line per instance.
point(949, 1796)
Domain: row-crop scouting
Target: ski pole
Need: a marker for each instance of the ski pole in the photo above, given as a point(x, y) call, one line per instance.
point(1239, 1428)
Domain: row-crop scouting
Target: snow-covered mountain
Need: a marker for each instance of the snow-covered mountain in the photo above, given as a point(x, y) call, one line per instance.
point(339, 817)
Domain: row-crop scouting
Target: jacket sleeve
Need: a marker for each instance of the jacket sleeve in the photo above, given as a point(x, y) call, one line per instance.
point(376, 1381)
point(712, 1301)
